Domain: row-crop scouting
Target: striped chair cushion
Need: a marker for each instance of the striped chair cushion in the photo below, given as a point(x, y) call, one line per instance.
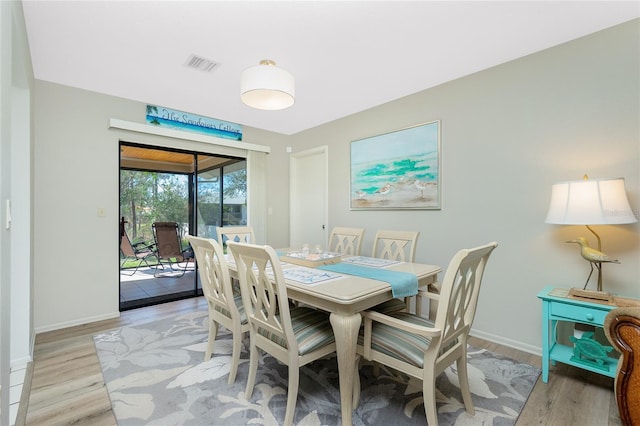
point(237, 298)
point(390, 306)
point(311, 328)
point(400, 344)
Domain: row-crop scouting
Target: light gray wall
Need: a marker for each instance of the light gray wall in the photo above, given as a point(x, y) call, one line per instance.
point(76, 173)
point(508, 134)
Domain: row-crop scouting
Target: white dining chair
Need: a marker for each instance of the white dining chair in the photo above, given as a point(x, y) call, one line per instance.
point(422, 348)
point(241, 234)
point(294, 336)
point(400, 246)
point(225, 307)
point(395, 245)
point(346, 241)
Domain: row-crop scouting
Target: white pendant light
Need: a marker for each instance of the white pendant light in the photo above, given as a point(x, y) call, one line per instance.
point(267, 87)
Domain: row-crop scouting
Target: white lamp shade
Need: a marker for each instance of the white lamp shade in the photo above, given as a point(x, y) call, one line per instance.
point(590, 202)
point(267, 87)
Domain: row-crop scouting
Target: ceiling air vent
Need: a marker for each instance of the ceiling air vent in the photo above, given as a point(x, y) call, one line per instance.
point(201, 64)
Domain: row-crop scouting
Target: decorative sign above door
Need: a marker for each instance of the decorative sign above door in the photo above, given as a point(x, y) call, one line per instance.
point(179, 120)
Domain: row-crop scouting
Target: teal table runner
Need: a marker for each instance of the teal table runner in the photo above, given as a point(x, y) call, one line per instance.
point(403, 284)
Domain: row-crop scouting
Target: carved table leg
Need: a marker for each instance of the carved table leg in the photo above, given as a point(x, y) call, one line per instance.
point(345, 329)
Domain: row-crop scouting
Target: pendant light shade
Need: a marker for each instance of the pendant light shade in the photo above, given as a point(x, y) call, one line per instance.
point(267, 87)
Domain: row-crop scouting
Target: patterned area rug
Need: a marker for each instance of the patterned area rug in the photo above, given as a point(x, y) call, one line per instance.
point(155, 376)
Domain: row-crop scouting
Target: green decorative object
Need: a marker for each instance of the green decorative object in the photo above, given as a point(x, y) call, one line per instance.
point(587, 351)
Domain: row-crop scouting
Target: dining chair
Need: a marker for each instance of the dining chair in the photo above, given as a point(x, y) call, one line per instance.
point(395, 245)
point(400, 246)
point(241, 234)
point(423, 348)
point(294, 336)
point(225, 307)
point(346, 241)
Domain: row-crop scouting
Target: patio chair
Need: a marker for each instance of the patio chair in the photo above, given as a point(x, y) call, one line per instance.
point(138, 252)
point(225, 307)
point(169, 248)
point(422, 348)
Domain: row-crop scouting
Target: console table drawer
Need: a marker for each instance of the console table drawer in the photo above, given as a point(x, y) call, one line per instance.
point(579, 313)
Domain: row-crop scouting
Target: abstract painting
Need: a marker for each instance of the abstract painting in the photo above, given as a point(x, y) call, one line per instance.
point(397, 170)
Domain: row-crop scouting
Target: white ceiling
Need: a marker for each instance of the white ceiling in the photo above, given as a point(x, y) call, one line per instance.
point(345, 56)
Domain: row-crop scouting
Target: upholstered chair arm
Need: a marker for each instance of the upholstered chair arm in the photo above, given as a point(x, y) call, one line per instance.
point(622, 328)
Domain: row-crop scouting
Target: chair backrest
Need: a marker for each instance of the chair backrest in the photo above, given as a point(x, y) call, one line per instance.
point(239, 234)
point(214, 273)
point(347, 241)
point(126, 248)
point(459, 293)
point(167, 238)
point(264, 293)
point(395, 245)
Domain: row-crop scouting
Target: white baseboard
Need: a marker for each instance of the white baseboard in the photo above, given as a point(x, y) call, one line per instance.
point(80, 321)
point(535, 350)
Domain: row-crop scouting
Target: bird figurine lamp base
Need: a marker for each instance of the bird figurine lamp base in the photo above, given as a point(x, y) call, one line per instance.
point(595, 258)
point(591, 295)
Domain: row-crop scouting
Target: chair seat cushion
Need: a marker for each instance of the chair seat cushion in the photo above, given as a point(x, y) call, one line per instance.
point(390, 306)
point(237, 298)
point(400, 344)
point(311, 328)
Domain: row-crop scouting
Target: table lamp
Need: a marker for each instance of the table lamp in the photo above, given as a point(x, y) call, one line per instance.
point(590, 202)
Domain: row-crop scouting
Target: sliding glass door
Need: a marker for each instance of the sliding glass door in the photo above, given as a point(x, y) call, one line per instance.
point(196, 191)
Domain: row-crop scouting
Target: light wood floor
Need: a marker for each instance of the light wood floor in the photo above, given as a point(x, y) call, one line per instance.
point(67, 385)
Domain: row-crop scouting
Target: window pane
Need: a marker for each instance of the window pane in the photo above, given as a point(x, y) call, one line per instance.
point(234, 205)
point(147, 197)
point(208, 203)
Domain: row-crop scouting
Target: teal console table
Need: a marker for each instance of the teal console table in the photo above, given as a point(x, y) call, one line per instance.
point(557, 306)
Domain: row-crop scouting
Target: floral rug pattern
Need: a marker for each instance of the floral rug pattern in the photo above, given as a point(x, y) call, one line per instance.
point(155, 376)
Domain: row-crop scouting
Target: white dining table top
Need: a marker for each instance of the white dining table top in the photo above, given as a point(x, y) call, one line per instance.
point(351, 289)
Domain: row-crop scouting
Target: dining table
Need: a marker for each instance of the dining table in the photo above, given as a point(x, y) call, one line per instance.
point(345, 296)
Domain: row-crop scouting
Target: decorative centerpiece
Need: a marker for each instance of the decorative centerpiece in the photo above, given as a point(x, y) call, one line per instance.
point(312, 260)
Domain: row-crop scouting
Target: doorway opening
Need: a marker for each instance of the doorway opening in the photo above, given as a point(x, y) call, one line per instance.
point(196, 191)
